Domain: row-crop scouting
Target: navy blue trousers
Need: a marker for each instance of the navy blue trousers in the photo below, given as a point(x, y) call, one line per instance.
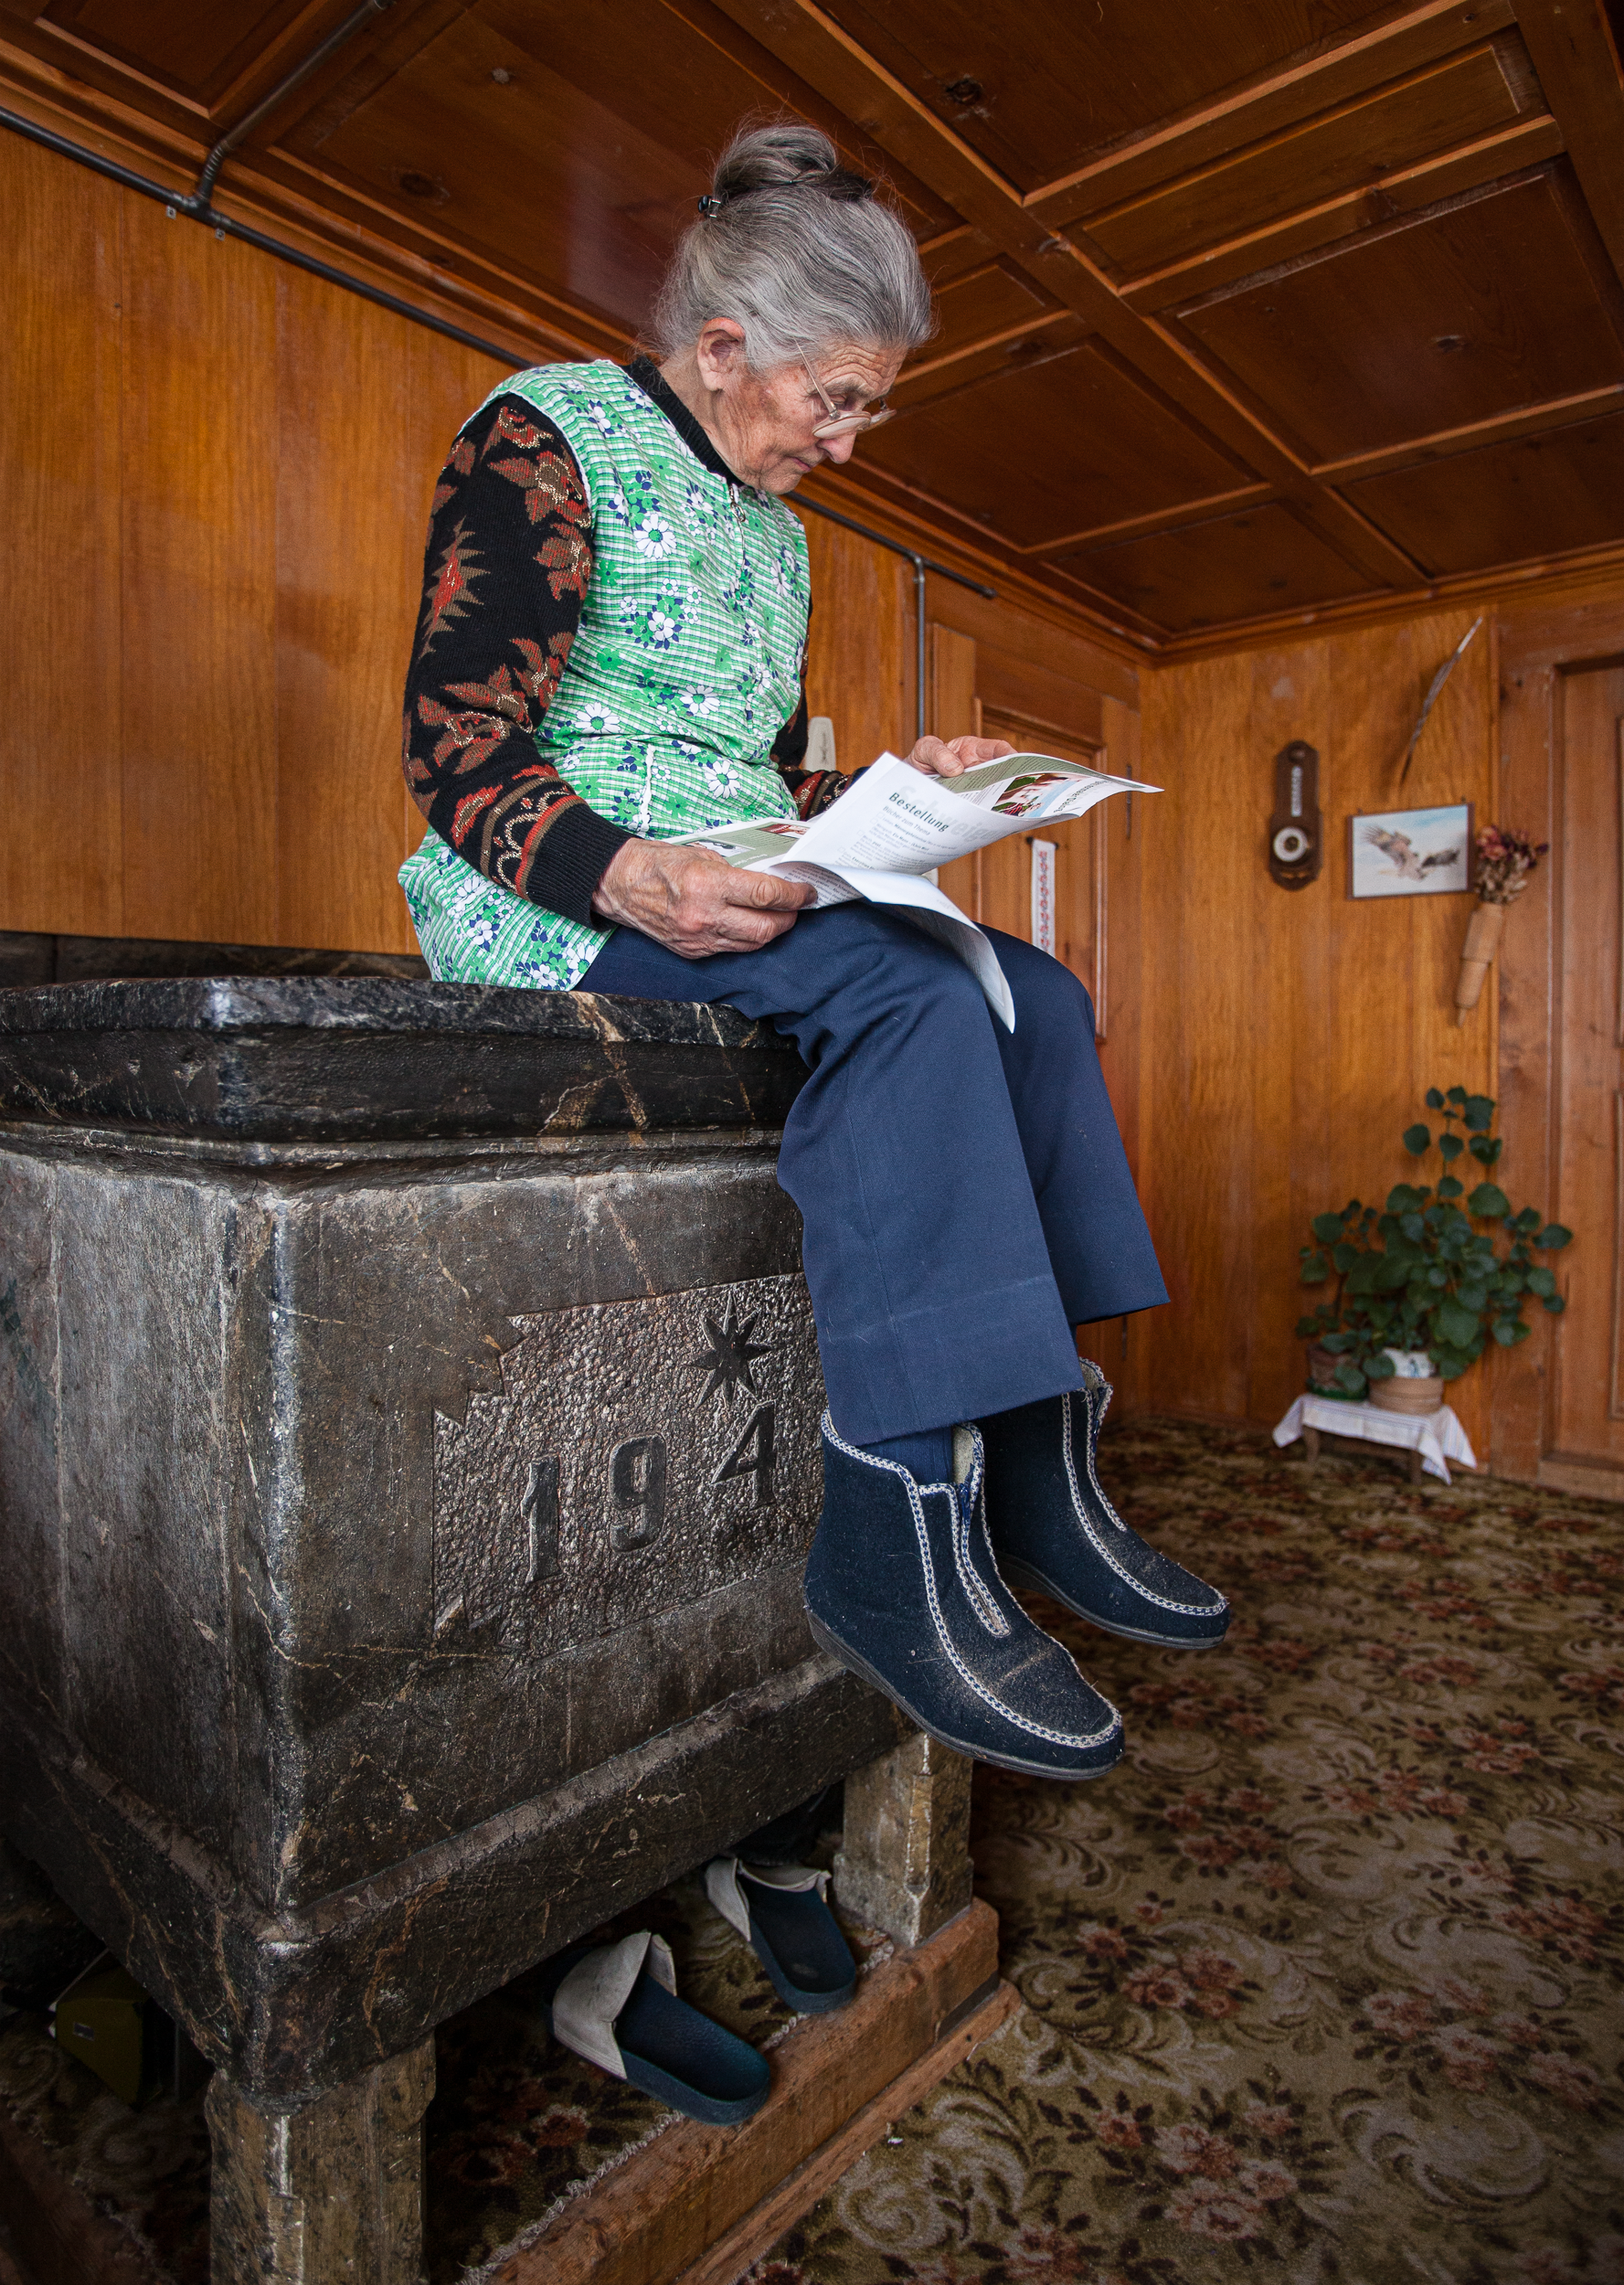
point(965, 1196)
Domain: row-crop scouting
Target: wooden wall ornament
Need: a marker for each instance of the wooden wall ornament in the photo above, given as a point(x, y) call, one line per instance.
point(1295, 840)
point(1434, 691)
point(1042, 893)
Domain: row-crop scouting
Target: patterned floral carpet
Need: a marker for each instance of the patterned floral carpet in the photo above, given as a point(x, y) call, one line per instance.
point(1325, 1979)
point(1323, 1983)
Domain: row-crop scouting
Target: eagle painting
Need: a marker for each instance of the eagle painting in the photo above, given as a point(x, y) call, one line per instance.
point(1402, 856)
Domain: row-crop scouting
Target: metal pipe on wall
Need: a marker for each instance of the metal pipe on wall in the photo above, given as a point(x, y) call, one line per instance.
point(180, 204)
point(284, 86)
point(921, 564)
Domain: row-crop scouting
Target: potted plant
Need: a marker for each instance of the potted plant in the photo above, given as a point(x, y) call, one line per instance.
point(1430, 1279)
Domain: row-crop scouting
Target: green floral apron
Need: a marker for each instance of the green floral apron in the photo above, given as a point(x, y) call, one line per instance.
point(686, 664)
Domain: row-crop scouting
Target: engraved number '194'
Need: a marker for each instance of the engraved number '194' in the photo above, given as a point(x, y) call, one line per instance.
point(637, 1490)
point(753, 1455)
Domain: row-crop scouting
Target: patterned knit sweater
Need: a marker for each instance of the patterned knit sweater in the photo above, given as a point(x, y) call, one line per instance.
point(507, 566)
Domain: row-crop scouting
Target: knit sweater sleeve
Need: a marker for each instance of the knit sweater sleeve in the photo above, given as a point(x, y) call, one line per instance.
point(810, 790)
point(506, 570)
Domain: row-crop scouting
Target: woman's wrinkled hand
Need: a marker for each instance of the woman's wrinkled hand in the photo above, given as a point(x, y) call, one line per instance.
point(948, 758)
point(694, 904)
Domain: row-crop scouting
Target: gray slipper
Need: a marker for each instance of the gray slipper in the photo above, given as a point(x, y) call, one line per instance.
point(617, 2006)
point(780, 1911)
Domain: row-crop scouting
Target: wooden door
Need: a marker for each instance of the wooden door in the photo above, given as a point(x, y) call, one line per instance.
point(1586, 1417)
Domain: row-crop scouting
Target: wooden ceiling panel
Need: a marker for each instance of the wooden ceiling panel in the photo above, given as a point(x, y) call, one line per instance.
point(529, 171)
point(1493, 302)
point(984, 306)
point(1459, 100)
point(1526, 143)
point(932, 375)
point(1062, 446)
point(1249, 566)
point(190, 46)
point(1037, 89)
point(1534, 496)
point(526, 139)
point(685, 77)
point(1248, 307)
point(1389, 48)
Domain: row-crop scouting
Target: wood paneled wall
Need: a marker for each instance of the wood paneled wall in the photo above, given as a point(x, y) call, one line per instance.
point(217, 474)
point(859, 662)
point(1289, 1036)
point(217, 471)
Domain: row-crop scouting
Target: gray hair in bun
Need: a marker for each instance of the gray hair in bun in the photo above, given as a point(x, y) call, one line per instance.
point(799, 250)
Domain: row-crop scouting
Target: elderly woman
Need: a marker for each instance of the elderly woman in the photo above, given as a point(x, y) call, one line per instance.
point(610, 655)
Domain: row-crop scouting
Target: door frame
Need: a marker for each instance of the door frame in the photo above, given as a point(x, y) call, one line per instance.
point(1539, 647)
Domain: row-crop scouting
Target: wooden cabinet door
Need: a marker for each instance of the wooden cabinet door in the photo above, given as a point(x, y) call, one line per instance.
point(1587, 1395)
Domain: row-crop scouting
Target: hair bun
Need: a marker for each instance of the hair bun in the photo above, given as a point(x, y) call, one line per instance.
point(778, 157)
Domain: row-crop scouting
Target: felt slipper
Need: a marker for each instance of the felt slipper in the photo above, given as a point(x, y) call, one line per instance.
point(779, 1912)
point(617, 2005)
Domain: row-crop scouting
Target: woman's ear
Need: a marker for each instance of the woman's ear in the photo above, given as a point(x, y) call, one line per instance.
point(719, 352)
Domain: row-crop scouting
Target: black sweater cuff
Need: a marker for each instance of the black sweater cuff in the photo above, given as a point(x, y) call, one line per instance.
point(576, 851)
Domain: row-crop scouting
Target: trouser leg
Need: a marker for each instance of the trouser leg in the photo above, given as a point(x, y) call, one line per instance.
point(924, 1248)
point(1093, 1227)
point(936, 1301)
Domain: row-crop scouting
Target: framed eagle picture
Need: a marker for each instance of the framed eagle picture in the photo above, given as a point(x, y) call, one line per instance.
point(1410, 852)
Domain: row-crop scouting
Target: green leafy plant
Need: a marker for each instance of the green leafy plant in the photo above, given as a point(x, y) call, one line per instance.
point(1420, 1273)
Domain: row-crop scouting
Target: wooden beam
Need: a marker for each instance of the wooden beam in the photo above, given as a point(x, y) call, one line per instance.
point(1471, 166)
point(1595, 569)
point(666, 2207)
point(1341, 72)
point(1560, 413)
point(1161, 520)
point(761, 2228)
point(1573, 51)
point(822, 52)
point(954, 365)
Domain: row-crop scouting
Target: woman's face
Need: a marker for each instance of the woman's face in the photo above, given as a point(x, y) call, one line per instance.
point(763, 422)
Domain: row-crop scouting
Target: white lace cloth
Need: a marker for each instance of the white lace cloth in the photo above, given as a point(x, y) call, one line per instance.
point(1438, 1436)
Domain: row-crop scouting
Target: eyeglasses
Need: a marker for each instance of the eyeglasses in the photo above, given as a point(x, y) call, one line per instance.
point(840, 423)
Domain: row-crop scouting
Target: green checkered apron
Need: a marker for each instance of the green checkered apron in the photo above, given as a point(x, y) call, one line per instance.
point(686, 664)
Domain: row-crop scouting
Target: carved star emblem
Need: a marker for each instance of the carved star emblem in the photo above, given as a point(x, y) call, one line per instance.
point(731, 1353)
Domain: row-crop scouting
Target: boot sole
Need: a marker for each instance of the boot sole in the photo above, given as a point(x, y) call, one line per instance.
point(860, 1666)
point(1021, 1576)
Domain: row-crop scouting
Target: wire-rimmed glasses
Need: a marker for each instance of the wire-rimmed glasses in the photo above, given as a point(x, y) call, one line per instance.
point(838, 423)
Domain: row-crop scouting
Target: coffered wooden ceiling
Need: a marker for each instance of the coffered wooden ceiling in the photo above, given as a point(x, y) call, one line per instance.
point(1249, 308)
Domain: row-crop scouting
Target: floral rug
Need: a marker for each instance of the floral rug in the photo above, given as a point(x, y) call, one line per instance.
point(1323, 1983)
point(1325, 1980)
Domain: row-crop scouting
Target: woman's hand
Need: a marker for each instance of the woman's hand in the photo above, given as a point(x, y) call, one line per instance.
point(691, 902)
point(948, 759)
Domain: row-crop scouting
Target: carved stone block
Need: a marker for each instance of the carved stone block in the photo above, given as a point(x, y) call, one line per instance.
point(904, 1863)
point(332, 2190)
point(410, 1403)
point(642, 1455)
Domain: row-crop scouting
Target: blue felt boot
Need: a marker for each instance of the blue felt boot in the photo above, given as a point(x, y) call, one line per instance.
point(1056, 1534)
point(902, 1588)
